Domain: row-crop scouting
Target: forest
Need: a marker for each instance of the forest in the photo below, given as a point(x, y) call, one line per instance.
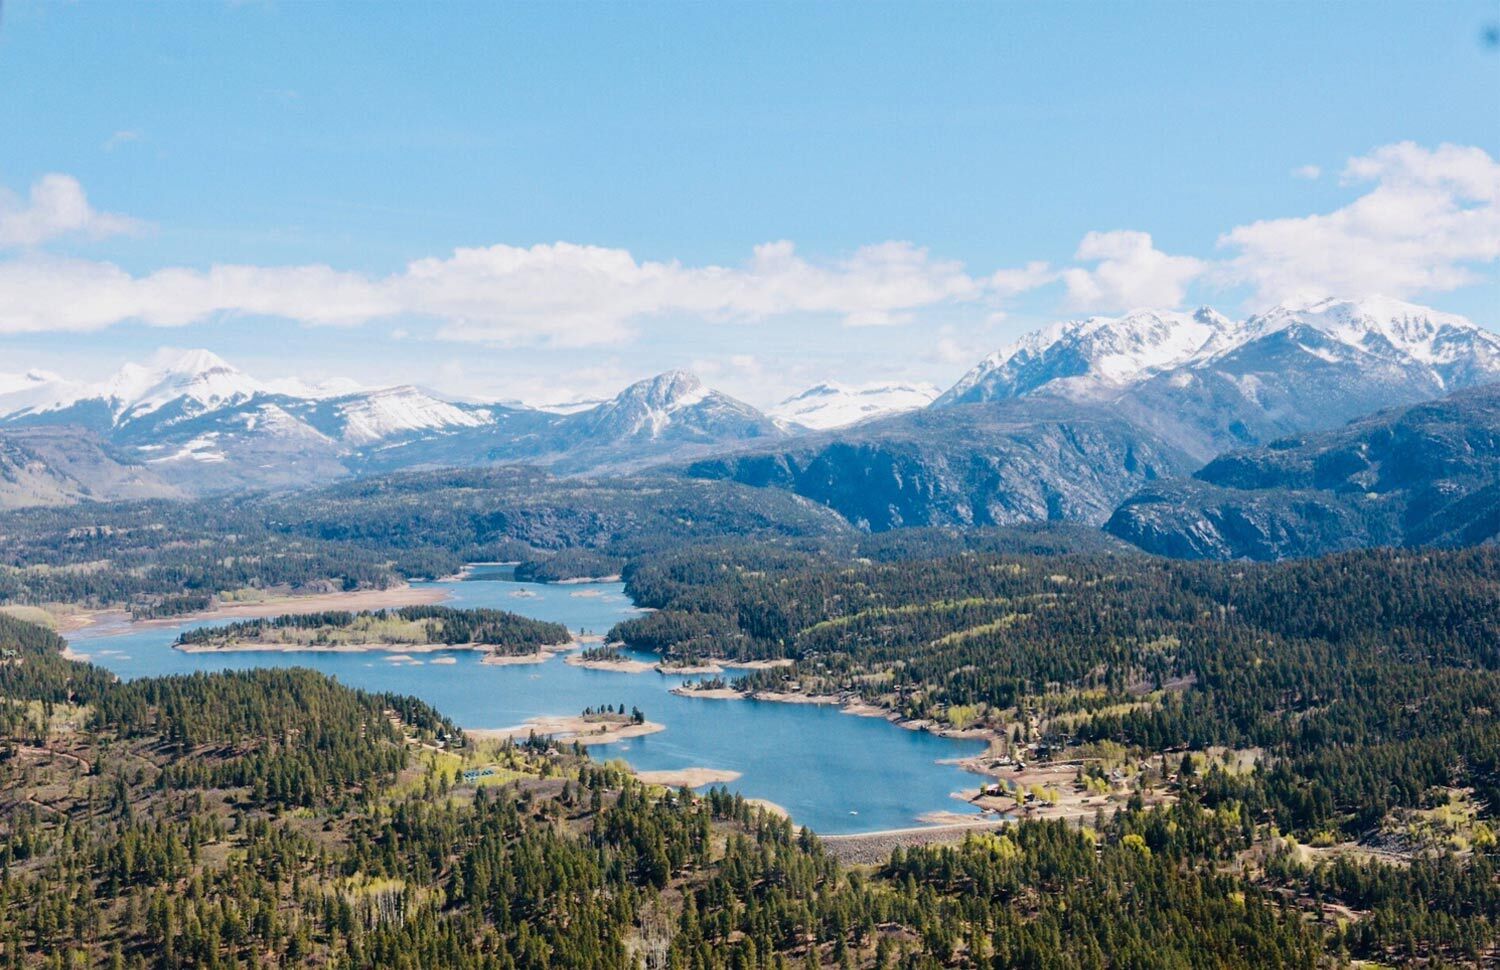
point(275, 818)
point(160, 558)
point(500, 630)
point(1305, 753)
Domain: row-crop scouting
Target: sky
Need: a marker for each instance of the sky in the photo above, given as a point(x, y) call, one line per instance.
point(545, 202)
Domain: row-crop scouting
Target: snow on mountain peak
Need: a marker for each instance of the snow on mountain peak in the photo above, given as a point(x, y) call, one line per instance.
point(1098, 353)
point(675, 401)
point(199, 380)
point(671, 390)
point(1098, 349)
point(833, 405)
point(375, 415)
point(1380, 325)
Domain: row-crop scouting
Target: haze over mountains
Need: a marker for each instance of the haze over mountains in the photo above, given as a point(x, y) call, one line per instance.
point(1064, 424)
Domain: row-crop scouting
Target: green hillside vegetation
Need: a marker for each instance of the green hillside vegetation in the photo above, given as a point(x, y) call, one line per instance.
point(277, 818)
point(410, 625)
point(167, 558)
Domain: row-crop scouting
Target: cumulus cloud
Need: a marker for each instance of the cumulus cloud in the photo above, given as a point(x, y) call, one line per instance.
point(562, 294)
point(1431, 218)
point(1308, 172)
point(1129, 272)
point(1427, 221)
point(56, 207)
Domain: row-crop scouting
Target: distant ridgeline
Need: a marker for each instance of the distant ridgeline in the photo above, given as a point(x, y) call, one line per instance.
point(412, 625)
point(163, 558)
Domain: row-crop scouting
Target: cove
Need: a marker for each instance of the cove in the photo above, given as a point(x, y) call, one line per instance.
point(833, 772)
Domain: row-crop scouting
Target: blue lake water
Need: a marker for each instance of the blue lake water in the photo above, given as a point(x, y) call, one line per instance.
point(833, 772)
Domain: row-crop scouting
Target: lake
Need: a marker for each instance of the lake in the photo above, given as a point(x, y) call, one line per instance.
point(833, 772)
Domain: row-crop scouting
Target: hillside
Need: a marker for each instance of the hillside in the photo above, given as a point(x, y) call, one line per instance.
point(1033, 460)
point(275, 816)
point(57, 466)
point(1428, 474)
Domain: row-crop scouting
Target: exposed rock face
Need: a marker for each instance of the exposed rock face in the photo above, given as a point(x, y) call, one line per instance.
point(1415, 475)
point(971, 465)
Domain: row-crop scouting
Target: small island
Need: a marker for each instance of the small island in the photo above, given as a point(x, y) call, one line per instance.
point(609, 656)
point(505, 637)
point(595, 725)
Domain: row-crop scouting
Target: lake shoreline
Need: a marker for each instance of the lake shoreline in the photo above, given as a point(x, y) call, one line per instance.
point(491, 696)
point(847, 704)
point(688, 777)
point(584, 729)
point(355, 601)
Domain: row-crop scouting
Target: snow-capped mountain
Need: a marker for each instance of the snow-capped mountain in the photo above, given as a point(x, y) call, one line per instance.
point(184, 385)
point(1204, 384)
point(391, 412)
point(200, 424)
point(1107, 351)
point(832, 405)
point(1456, 351)
point(675, 405)
point(1105, 354)
point(198, 383)
point(192, 383)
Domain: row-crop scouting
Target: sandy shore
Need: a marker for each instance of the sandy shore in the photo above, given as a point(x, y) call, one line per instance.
point(584, 730)
point(688, 777)
point(769, 806)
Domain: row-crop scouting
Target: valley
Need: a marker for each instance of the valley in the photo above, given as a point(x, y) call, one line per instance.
point(759, 486)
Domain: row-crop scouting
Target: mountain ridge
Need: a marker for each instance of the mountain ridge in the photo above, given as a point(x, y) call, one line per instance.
point(1423, 474)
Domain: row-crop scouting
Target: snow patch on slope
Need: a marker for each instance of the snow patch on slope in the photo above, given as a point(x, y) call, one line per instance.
point(401, 410)
point(833, 405)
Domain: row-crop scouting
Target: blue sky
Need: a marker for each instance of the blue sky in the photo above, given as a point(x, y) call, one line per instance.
point(379, 191)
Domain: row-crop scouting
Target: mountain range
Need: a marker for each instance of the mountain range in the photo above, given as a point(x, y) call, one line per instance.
point(1067, 423)
point(1423, 474)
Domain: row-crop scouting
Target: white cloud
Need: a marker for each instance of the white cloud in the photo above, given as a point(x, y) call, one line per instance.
point(1309, 172)
point(560, 294)
point(1428, 221)
point(1013, 282)
point(122, 137)
point(56, 207)
point(1130, 272)
point(1431, 218)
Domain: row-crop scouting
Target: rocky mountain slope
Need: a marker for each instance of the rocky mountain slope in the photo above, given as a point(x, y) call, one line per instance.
point(1021, 461)
point(1205, 384)
point(1425, 474)
point(1070, 419)
point(1064, 424)
point(55, 466)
